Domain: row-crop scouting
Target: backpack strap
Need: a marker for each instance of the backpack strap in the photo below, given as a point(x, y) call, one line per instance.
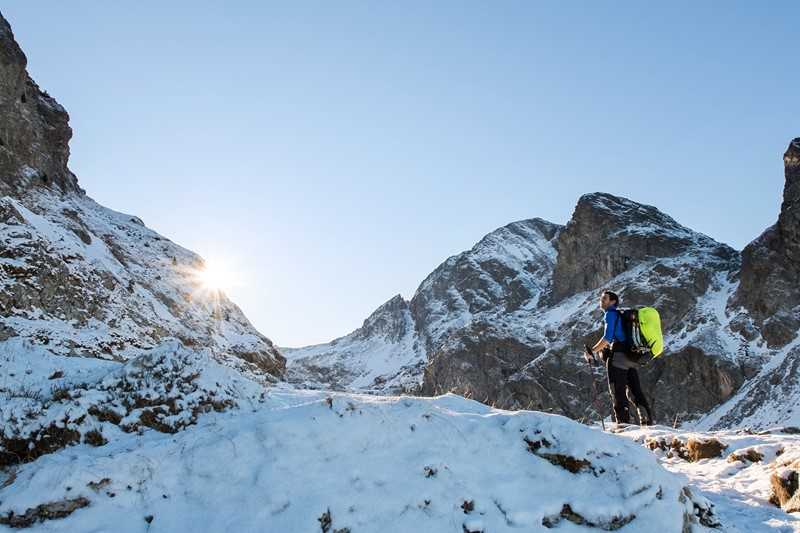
point(619, 325)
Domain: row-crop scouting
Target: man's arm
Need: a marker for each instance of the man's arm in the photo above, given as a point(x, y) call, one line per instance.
point(600, 345)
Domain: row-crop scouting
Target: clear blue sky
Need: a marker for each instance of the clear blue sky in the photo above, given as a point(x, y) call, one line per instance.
point(334, 153)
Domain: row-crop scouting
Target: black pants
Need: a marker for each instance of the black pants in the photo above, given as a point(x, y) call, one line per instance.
point(620, 379)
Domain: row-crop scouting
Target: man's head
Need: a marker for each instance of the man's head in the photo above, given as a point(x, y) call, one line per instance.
point(607, 299)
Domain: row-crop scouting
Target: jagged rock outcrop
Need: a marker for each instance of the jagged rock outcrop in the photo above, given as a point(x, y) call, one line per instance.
point(507, 270)
point(82, 280)
point(34, 132)
point(770, 286)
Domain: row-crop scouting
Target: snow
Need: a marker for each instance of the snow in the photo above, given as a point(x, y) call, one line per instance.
point(363, 362)
point(739, 490)
point(375, 463)
point(779, 408)
point(169, 384)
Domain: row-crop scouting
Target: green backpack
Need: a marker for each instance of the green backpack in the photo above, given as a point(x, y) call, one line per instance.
point(642, 325)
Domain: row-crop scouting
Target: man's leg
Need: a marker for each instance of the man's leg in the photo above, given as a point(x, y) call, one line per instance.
point(646, 418)
point(617, 378)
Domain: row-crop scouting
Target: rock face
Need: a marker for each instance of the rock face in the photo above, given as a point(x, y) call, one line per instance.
point(81, 280)
point(607, 236)
point(35, 134)
point(770, 287)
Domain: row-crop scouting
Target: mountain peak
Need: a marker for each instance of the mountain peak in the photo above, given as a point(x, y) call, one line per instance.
point(791, 164)
point(608, 235)
point(34, 142)
point(389, 320)
point(623, 211)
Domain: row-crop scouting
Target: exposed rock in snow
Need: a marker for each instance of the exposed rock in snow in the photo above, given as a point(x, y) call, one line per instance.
point(740, 480)
point(608, 236)
point(48, 402)
point(105, 327)
point(306, 461)
point(82, 280)
point(767, 303)
point(505, 322)
point(532, 358)
point(507, 271)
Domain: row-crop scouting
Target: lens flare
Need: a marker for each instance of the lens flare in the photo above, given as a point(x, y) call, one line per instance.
point(215, 276)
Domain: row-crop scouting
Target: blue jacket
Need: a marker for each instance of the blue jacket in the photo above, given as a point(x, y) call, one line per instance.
point(613, 330)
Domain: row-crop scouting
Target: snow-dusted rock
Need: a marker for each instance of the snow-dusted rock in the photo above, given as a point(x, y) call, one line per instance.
point(511, 265)
point(741, 481)
point(385, 353)
point(505, 322)
point(48, 402)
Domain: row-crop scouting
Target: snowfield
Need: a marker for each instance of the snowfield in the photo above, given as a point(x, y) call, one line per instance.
point(284, 460)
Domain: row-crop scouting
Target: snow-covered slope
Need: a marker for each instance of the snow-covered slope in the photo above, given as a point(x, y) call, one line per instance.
point(770, 398)
point(383, 354)
point(310, 462)
point(766, 311)
point(48, 402)
point(83, 280)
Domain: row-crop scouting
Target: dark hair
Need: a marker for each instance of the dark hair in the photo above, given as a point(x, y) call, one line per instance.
point(611, 296)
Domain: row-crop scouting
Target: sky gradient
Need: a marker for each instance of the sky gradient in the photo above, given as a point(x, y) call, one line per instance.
point(332, 154)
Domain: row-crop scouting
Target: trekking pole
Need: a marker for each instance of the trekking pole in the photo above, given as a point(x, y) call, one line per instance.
point(590, 359)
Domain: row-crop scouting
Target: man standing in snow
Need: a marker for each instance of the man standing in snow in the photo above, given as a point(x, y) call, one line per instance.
point(614, 350)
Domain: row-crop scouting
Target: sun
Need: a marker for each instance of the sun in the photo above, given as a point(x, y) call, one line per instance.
point(215, 275)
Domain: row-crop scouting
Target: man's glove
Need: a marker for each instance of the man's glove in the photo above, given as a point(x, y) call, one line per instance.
point(588, 355)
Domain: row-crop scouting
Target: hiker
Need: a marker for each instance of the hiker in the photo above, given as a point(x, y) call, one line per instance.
point(614, 349)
